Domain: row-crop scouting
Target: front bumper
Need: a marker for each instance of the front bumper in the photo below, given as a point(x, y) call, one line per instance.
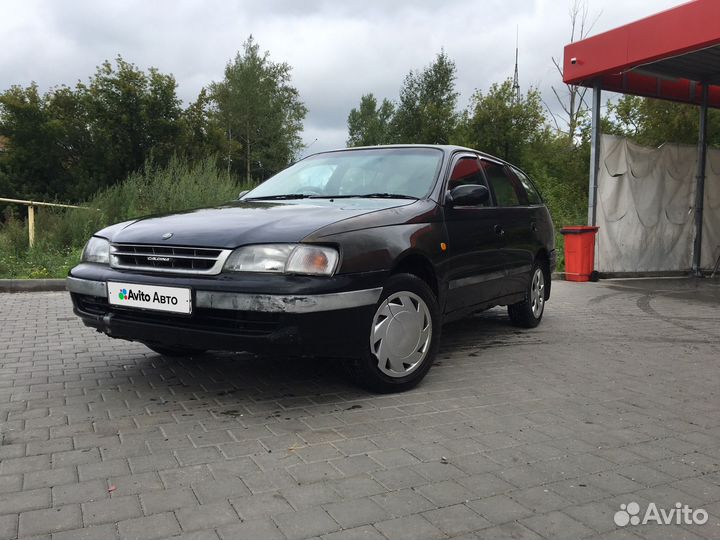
point(327, 316)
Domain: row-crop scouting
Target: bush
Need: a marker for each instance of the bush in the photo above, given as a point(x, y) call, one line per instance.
point(560, 170)
point(567, 207)
point(60, 234)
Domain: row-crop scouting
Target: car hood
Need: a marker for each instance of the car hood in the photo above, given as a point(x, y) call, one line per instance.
point(241, 222)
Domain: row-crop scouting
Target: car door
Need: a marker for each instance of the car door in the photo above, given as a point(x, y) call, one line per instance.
point(513, 223)
point(473, 265)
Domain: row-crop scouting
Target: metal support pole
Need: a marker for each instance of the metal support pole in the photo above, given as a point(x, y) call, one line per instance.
point(594, 155)
point(700, 183)
point(31, 225)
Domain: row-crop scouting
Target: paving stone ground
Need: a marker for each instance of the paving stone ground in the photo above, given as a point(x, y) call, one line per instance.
point(615, 398)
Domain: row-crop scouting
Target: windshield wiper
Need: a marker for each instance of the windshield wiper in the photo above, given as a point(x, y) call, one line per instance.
point(387, 196)
point(366, 196)
point(291, 196)
point(283, 197)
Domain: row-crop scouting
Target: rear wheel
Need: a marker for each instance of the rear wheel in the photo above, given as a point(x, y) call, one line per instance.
point(529, 312)
point(174, 352)
point(403, 337)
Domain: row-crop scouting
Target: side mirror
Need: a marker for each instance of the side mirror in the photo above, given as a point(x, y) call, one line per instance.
point(468, 195)
point(242, 193)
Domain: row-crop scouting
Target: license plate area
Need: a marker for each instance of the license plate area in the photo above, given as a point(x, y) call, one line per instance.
point(151, 297)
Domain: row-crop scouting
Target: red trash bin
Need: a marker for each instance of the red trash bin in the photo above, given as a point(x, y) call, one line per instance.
point(579, 252)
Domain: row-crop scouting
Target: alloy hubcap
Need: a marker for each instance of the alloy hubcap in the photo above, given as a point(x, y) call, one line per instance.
point(537, 293)
point(401, 333)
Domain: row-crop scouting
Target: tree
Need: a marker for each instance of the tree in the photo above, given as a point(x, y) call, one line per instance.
point(501, 122)
point(427, 109)
point(132, 116)
point(260, 112)
point(370, 124)
point(32, 164)
point(561, 172)
point(202, 135)
point(653, 122)
point(70, 142)
point(572, 100)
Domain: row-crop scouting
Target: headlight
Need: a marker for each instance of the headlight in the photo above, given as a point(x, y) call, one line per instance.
point(269, 258)
point(284, 259)
point(97, 250)
point(314, 260)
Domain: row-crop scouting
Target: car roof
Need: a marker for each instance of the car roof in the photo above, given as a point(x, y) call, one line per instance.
point(446, 148)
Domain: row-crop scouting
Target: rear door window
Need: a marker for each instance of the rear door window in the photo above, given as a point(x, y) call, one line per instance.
point(505, 187)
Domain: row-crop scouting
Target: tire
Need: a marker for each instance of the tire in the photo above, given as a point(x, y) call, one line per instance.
point(529, 312)
point(173, 352)
point(397, 356)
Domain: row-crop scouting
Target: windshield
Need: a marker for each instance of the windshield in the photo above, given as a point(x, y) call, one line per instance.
point(377, 172)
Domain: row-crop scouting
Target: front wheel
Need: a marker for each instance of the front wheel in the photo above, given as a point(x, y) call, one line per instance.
point(403, 337)
point(529, 312)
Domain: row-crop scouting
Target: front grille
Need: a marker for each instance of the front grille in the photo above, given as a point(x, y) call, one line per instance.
point(168, 259)
point(248, 323)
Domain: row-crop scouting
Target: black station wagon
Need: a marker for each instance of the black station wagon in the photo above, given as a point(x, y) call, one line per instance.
point(361, 253)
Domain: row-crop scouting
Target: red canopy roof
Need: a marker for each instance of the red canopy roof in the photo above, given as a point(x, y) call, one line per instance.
point(662, 56)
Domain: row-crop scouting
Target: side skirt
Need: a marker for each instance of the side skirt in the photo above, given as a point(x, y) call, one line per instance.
point(500, 301)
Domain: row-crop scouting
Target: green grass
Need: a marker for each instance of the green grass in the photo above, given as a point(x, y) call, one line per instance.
point(61, 234)
point(38, 264)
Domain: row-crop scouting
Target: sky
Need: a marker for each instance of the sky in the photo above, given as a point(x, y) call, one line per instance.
point(339, 50)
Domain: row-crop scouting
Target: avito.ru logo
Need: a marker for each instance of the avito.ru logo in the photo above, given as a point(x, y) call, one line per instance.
point(138, 296)
point(629, 514)
point(141, 296)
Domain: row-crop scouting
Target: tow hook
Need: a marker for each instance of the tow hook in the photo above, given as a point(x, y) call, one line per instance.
point(106, 321)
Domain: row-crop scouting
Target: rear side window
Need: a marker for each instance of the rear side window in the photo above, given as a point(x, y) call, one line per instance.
point(506, 188)
point(532, 193)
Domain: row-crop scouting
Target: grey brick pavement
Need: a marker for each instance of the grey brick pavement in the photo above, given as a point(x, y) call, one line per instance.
point(514, 434)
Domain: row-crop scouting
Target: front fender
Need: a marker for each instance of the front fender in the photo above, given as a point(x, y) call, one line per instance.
point(381, 248)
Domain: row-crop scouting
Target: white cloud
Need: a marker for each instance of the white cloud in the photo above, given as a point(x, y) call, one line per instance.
point(338, 50)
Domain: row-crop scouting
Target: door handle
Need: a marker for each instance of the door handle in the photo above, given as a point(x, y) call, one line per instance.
point(499, 230)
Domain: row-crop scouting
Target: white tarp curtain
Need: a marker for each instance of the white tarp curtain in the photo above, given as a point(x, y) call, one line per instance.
point(646, 207)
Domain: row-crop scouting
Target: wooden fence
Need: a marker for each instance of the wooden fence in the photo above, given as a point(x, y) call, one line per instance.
point(32, 206)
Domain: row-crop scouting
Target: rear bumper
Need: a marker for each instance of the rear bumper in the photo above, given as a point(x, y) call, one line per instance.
point(552, 262)
point(225, 318)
